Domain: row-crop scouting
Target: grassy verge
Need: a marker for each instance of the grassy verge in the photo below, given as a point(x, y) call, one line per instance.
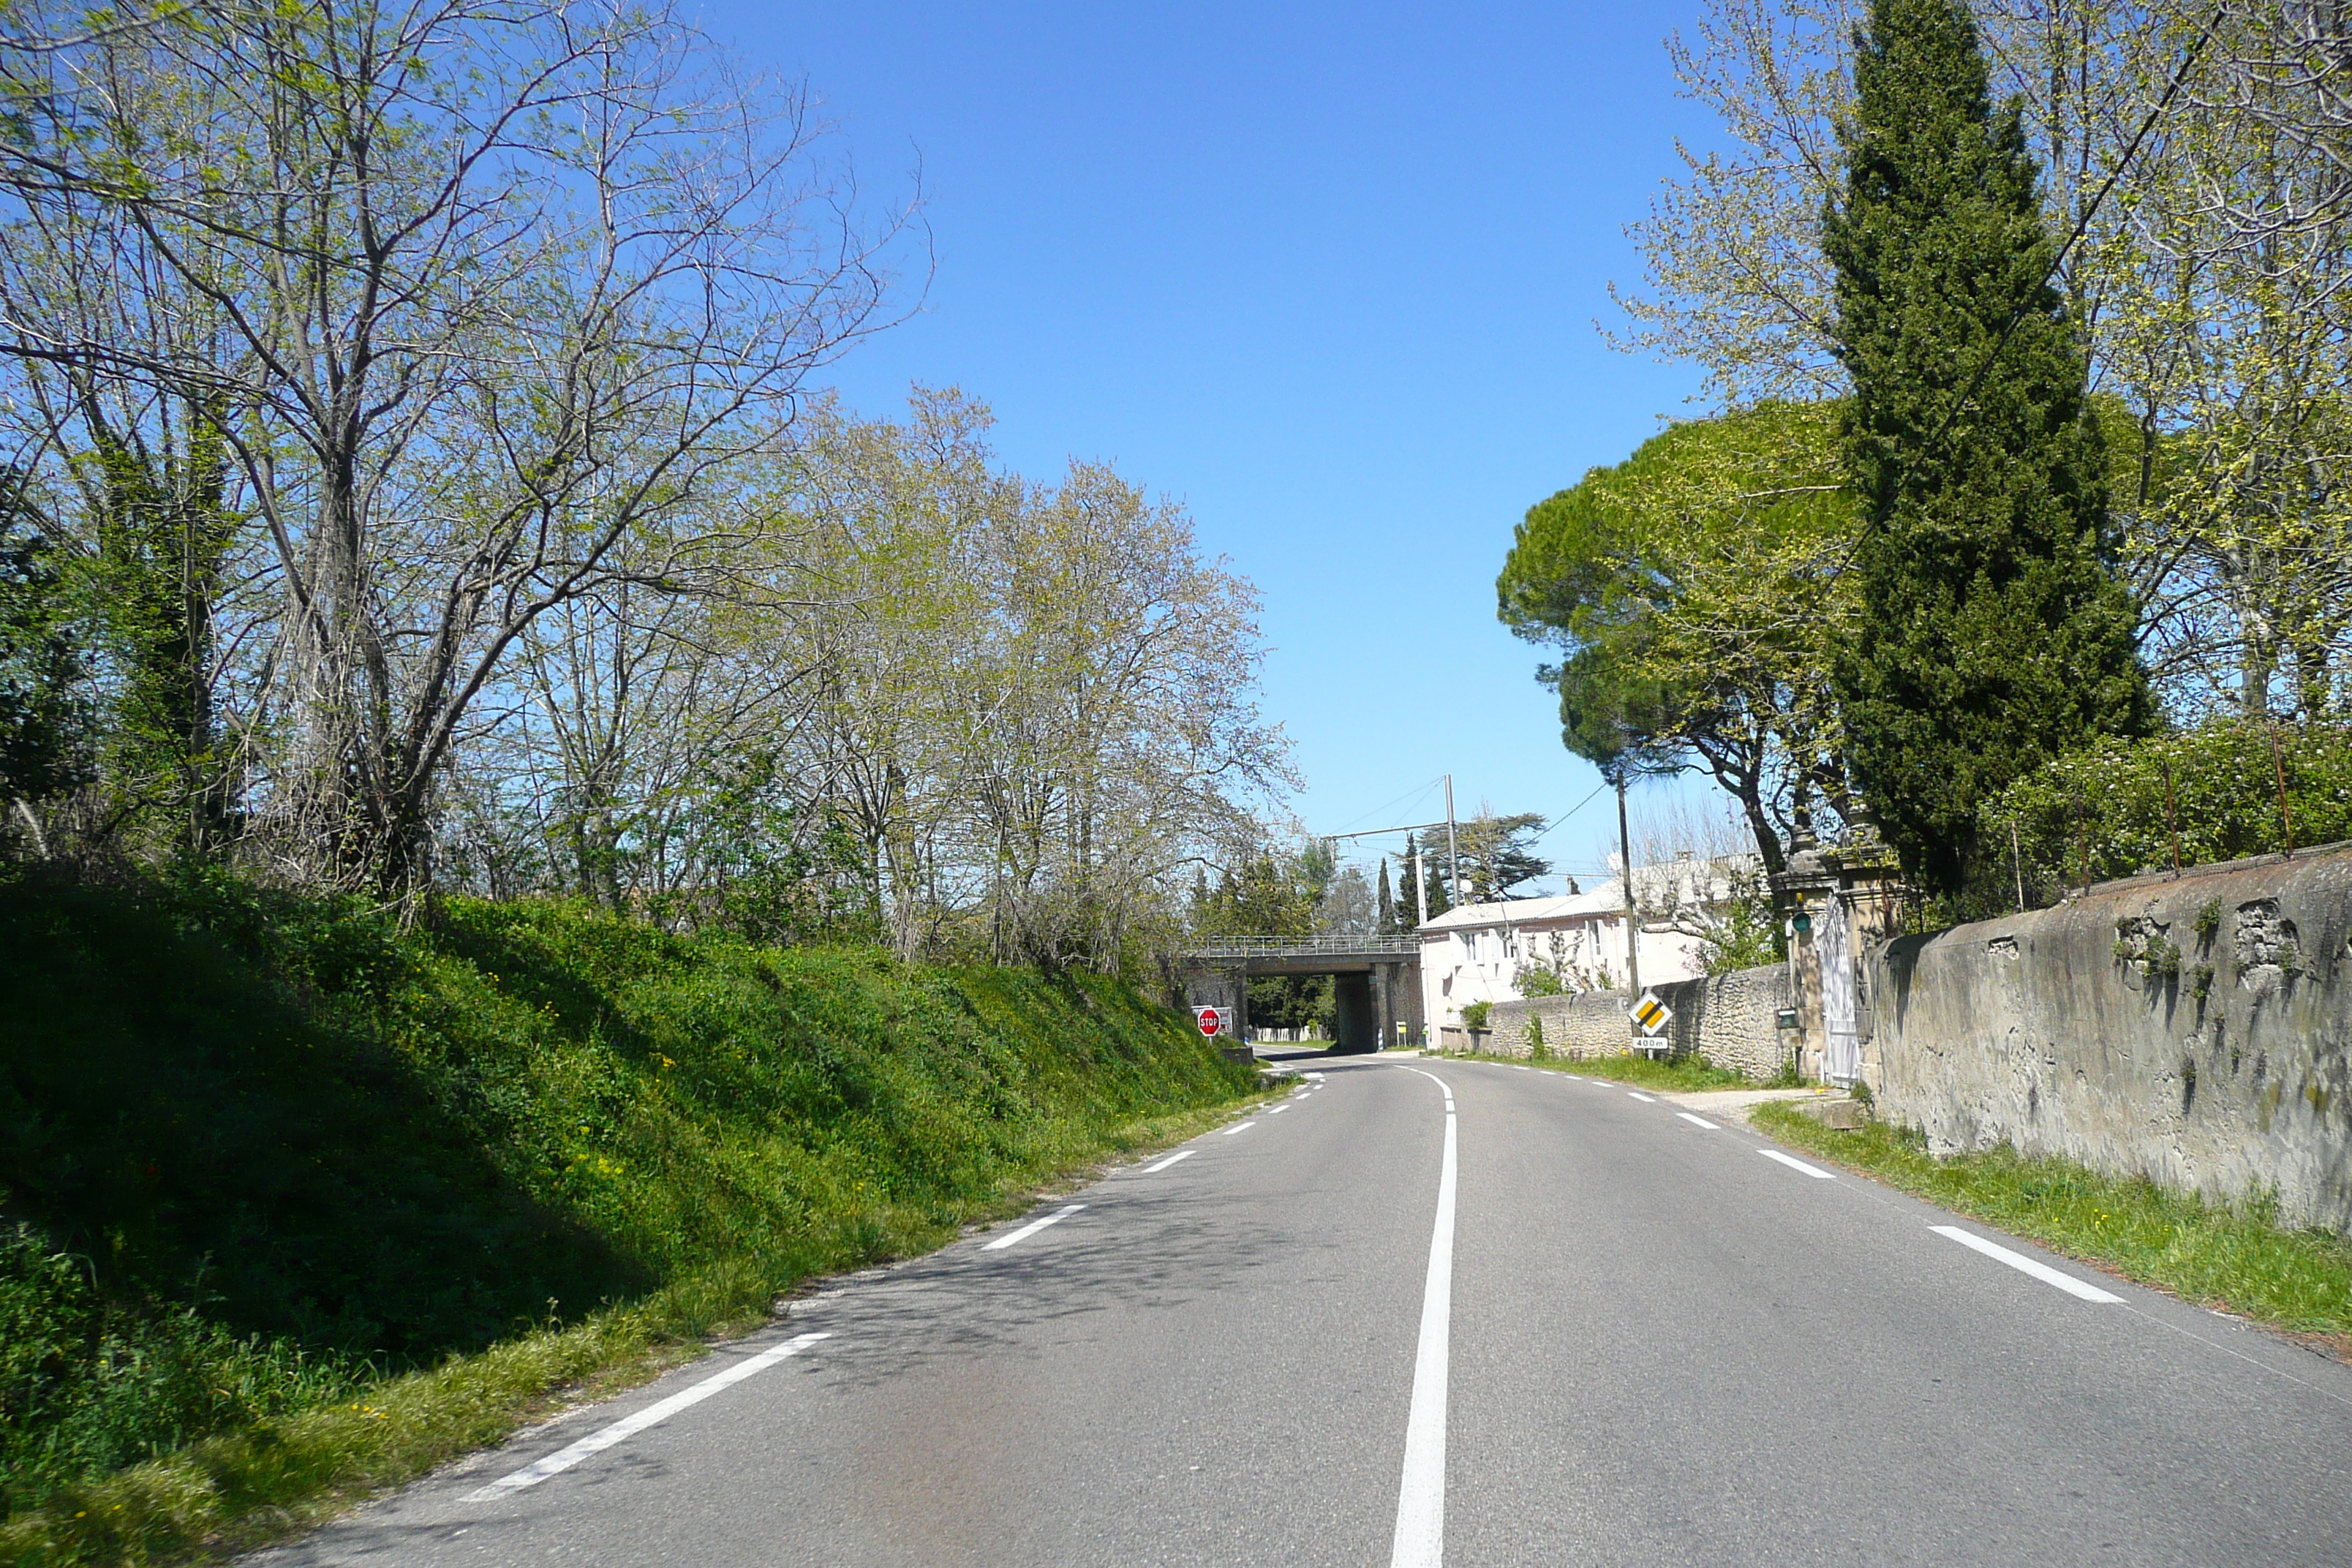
point(2236, 1260)
point(1681, 1074)
point(297, 1206)
point(245, 1487)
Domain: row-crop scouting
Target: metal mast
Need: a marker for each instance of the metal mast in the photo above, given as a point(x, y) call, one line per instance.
point(1453, 857)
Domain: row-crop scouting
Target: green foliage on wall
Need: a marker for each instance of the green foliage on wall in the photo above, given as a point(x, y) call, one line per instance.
point(2101, 812)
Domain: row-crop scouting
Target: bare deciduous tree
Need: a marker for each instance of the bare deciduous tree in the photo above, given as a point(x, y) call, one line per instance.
point(492, 288)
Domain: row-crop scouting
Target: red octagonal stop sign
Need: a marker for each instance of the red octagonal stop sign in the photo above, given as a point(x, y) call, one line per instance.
point(1210, 1020)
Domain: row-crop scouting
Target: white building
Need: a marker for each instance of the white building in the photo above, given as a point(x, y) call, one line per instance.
point(1474, 952)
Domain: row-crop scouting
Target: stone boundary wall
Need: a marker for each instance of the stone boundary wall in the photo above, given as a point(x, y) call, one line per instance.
point(2195, 1032)
point(1728, 1020)
point(1591, 1025)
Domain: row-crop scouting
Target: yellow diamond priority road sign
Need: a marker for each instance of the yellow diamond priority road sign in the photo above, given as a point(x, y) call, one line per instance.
point(1652, 1014)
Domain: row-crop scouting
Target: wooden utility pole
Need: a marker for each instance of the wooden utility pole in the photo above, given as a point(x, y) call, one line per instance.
point(2172, 816)
point(2286, 818)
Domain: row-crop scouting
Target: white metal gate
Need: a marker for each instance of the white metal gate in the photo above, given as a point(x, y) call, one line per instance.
point(1842, 1047)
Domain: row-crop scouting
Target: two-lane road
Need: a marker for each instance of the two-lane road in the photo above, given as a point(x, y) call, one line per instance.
point(1626, 1334)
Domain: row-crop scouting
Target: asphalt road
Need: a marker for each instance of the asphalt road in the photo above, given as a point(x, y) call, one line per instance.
point(1614, 1337)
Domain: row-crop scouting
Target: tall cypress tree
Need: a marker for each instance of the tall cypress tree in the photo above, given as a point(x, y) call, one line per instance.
point(1993, 633)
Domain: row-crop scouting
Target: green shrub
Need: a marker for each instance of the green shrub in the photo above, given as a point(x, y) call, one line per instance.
point(87, 1385)
point(2109, 801)
point(1474, 1014)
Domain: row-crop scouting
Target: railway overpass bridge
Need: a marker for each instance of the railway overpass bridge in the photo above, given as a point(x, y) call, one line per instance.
point(1376, 981)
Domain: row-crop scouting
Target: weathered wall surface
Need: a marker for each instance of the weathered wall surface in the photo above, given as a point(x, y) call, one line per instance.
point(1593, 1025)
point(1728, 1020)
point(2193, 1031)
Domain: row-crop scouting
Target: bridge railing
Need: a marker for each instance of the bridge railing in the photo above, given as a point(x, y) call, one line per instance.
point(1302, 946)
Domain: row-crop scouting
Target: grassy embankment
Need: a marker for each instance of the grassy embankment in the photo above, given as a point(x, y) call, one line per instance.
point(2235, 1260)
point(1681, 1074)
point(298, 1207)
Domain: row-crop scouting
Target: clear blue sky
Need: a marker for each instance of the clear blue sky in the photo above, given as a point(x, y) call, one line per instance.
point(1327, 274)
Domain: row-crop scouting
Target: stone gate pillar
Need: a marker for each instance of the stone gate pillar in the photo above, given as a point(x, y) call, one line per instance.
point(1802, 893)
point(1851, 893)
point(1875, 900)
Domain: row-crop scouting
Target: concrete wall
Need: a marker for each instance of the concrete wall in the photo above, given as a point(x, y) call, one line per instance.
point(2114, 1031)
point(1728, 1020)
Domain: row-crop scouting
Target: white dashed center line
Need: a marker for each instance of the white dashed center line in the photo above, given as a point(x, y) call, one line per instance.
point(1644, 1099)
point(1243, 1128)
point(2024, 1265)
point(1796, 1165)
point(1033, 1227)
point(1699, 1121)
point(1180, 1154)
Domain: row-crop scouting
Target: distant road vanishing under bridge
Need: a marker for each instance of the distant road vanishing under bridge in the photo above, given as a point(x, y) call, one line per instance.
point(1376, 981)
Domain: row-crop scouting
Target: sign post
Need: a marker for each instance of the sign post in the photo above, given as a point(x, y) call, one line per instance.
point(1650, 1014)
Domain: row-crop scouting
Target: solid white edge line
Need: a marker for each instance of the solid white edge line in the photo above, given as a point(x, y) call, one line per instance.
point(1699, 1122)
point(1180, 1154)
point(627, 1426)
point(1796, 1165)
point(2024, 1265)
point(1644, 1099)
point(1243, 1128)
point(1421, 1494)
point(1033, 1227)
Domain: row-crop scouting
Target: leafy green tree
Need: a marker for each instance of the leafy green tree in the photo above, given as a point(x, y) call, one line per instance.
point(1269, 894)
point(44, 716)
point(1693, 589)
point(1292, 1001)
point(1499, 853)
point(162, 532)
point(1990, 634)
point(1317, 867)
